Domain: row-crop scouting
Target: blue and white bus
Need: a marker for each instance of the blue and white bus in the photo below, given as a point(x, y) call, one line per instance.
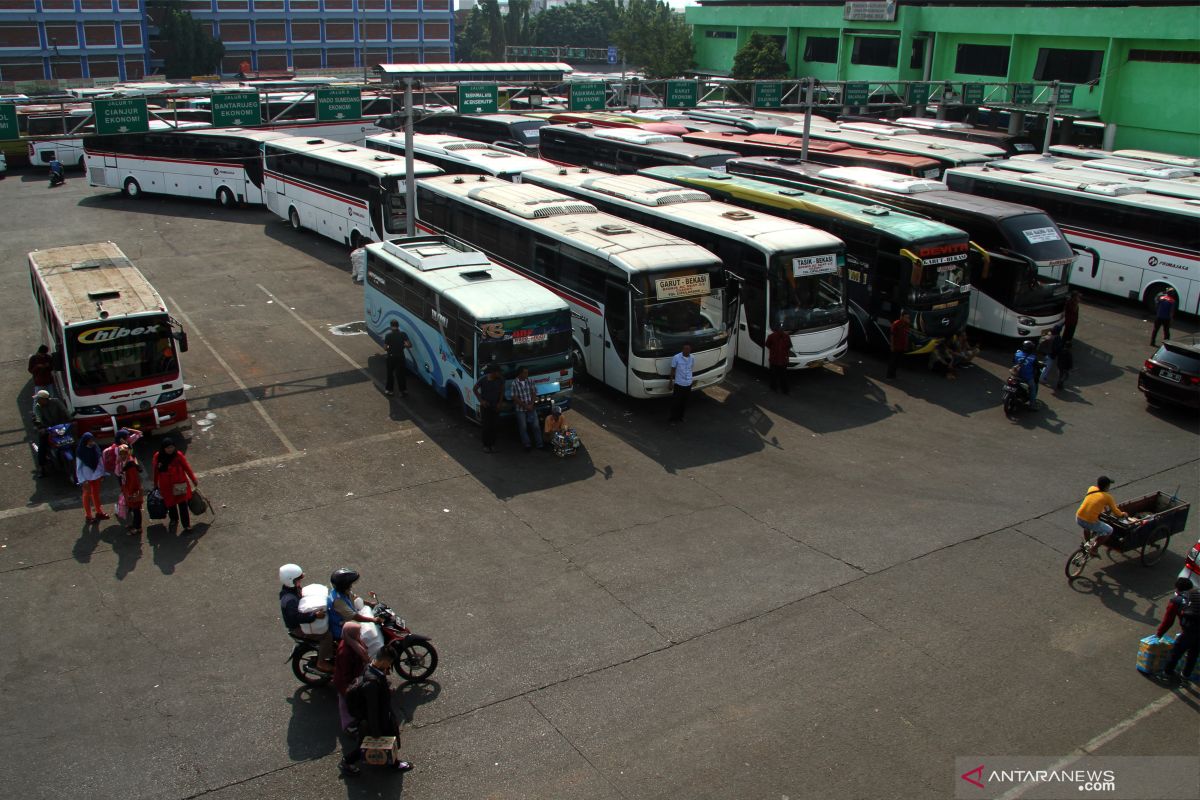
point(463, 312)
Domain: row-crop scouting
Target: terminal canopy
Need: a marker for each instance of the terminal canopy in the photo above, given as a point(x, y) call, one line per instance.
point(514, 71)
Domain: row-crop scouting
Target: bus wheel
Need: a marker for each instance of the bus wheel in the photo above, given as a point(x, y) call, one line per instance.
point(454, 402)
point(356, 240)
point(132, 189)
point(294, 218)
point(225, 197)
point(578, 365)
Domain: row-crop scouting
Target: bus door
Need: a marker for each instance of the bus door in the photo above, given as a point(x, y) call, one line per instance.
point(616, 335)
point(377, 198)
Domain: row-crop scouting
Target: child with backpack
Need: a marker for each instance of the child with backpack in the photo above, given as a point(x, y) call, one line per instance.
point(1184, 606)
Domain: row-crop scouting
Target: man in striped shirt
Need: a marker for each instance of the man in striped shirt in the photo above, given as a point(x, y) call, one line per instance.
point(524, 393)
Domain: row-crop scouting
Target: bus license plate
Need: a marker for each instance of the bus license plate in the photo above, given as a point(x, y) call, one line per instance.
point(1169, 375)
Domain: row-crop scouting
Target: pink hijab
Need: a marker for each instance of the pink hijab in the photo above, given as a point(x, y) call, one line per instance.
point(352, 636)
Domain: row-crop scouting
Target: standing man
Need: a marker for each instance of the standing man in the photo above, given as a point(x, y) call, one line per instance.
point(47, 411)
point(524, 393)
point(1184, 606)
point(779, 348)
point(899, 341)
point(372, 711)
point(490, 391)
point(682, 365)
point(395, 342)
point(1049, 346)
point(1071, 316)
point(1164, 312)
point(41, 367)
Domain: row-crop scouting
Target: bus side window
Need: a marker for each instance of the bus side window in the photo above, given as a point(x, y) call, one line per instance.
point(616, 315)
point(545, 263)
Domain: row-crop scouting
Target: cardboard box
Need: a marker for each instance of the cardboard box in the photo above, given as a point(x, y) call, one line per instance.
point(381, 750)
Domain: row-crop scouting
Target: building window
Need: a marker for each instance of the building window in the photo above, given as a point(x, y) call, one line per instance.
point(982, 59)
point(875, 51)
point(1068, 66)
point(1166, 56)
point(822, 49)
point(720, 34)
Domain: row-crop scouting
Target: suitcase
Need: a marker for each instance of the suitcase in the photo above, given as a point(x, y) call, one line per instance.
point(1153, 653)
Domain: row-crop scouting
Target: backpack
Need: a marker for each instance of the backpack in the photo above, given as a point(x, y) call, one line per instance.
point(356, 696)
point(1189, 611)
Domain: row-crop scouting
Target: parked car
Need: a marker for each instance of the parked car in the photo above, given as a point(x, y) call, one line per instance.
point(1191, 566)
point(1172, 375)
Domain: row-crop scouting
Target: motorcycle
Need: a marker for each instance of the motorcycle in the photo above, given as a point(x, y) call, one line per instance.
point(416, 657)
point(1016, 395)
point(62, 449)
point(57, 179)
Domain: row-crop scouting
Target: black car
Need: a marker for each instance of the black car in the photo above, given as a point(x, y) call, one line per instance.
point(1172, 375)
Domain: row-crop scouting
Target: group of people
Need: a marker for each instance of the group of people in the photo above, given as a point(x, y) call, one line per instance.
point(489, 392)
point(359, 677)
point(1034, 362)
point(950, 355)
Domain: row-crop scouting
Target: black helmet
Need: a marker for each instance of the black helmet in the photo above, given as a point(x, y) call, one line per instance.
point(1028, 345)
point(342, 579)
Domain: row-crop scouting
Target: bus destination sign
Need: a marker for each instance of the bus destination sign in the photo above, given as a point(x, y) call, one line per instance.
point(683, 286)
point(236, 109)
point(805, 266)
point(478, 98)
point(8, 122)
point(338, 103)
point(126, 115)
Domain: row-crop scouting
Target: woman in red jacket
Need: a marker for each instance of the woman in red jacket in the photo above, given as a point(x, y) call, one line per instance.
point(174, 479)
point(131, 488)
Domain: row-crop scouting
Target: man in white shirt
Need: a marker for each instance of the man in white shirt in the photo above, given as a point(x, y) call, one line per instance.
point(681, 381)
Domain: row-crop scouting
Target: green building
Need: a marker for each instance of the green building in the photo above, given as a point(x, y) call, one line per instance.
point(1136, 63)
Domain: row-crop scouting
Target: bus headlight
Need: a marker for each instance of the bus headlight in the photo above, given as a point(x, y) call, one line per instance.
point(1026, 321)
point(90, 410)
point(167, 397)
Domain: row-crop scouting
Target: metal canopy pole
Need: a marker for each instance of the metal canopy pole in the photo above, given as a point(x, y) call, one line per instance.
point(410, 180)
point(808, 111)
point(1050, 116)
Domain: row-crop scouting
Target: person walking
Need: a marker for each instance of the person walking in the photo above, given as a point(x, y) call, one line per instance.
point(1049, 348)
point(1065, 362)
point(524, 395)
point(1071, 315)
point(174, 479)
point(131, 489)
point(348, 666)
point(395, 342)
point(111, 457)
point(899, 342)
point(41, 367)
point(682, 365)
point(1184, 606)
point(1164, 313)
point(489, 390)
point(779, 350)
point(373, 712)
point(89, 471)
point(47, 412)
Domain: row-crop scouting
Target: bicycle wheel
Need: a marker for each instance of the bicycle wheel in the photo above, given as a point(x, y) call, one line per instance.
point(1076, 563)
point(1156, 545)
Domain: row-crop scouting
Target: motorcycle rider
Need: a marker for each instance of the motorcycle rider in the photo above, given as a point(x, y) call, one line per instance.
point(289, 604)
point(57, 173)
point(341, 602)
point(1025, 362)
point(47, 412)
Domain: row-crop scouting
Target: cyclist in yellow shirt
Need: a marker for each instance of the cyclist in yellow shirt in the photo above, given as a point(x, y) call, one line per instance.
point(1094, 502)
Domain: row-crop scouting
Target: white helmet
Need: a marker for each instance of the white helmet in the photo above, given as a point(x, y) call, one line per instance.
point(288, 574)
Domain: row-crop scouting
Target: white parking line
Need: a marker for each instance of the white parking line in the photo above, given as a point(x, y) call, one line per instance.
point(287, 443)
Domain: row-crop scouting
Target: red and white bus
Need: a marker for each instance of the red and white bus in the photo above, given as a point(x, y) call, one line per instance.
point(116, 347)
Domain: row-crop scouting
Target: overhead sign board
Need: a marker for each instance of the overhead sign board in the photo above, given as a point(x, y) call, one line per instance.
point(8, 122)
point(1022, 94)
point(612, 54)
point(768, 95)
point(236, 109)
point(124, 115)
point(972, 94)
point(478, 98)
point(339, 102)
point(1066, 94)
point(870, 10)
point(856, 94)
point(918, 94)
point(586, 96)
point(682, 94)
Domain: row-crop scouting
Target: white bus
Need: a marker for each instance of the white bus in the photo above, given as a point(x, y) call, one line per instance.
point(212, 164)
point(637, 294)
point(1110, 169)
point(457, 156)
point(1133, 239)
point(1162, 159)
point(463, 312)
point(790, 276)
point(294, 114)
point(70, 151)
point(115, 345)
point(350, 194)
point(946, 153)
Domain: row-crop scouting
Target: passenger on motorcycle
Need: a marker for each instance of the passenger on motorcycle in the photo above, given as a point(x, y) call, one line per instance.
point(47, 412)
point(1025, 362)
point(341, 603)
point(1094, 502)
point(289, 603)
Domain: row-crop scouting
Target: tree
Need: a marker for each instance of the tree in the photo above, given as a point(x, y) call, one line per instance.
point(474, 40)
point(655, 39)
point(760, 59)
point(576, 25)
point(191, 49)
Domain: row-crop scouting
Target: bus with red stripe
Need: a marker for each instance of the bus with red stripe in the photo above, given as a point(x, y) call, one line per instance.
point(115, 346)
point(1134, 239)
point(350, 194)
point(637, 295)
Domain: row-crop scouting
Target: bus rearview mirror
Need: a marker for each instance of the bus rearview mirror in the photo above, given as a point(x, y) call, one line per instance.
point(183, 341)
point(587, 336)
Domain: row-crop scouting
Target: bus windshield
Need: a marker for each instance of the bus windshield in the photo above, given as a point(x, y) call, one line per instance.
point(677, 306)
point(524, 339)
point(941, 272)
point(124, 351)
point(807, 290)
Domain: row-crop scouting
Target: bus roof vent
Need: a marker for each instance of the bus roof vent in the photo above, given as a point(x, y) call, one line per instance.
point(315, 141)
point(91, 264)
point(738, 214)
point(379, 157)
point(347, 149)
point(790, 192)
point(1108, 189)
point(476, 275)
point(611, 229)
point(876, 211)
point(430, 253)
point(465, 145)
point(645, 191)
point(529, 201)
point(111, 294)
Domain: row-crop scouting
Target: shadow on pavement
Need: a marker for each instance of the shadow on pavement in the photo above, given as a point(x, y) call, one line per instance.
point(1127, 587)
point(1183, 418)
point(177, 207)
point(313, 729)
point(413, 695)
point(311, 244)
point(171, 545)
point(819, 400)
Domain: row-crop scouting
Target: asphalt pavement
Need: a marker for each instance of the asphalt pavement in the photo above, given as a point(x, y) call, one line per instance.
point(829, 594)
